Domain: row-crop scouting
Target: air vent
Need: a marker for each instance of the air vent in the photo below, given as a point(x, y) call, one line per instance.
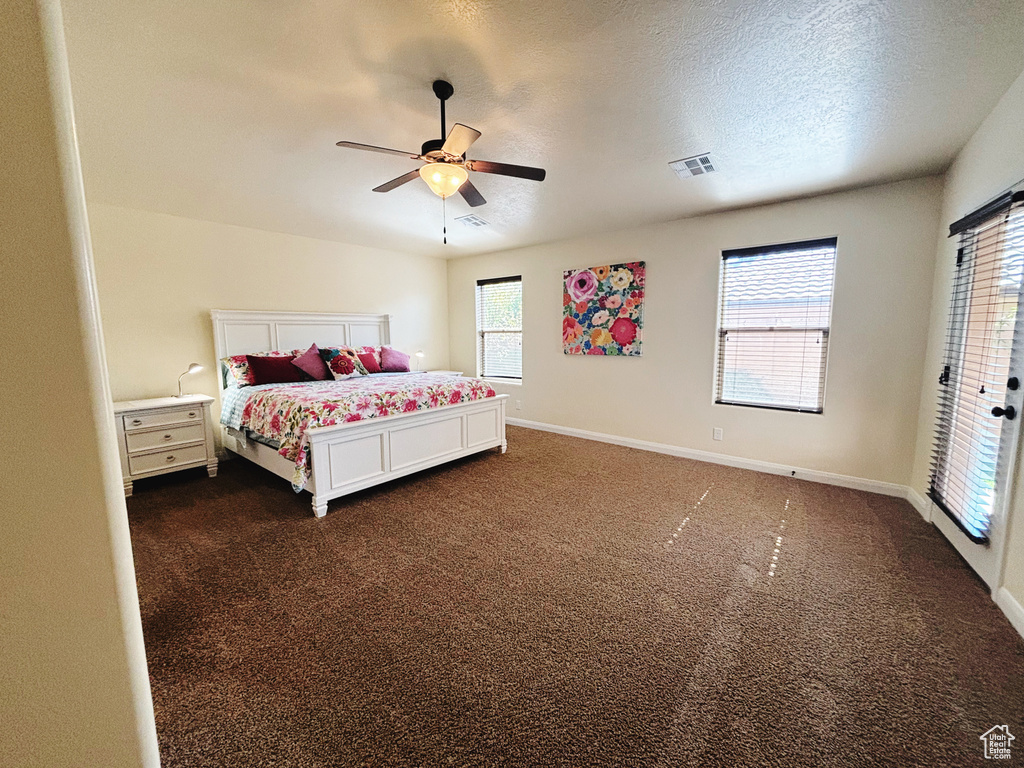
point(693, 166)
point(471, 220)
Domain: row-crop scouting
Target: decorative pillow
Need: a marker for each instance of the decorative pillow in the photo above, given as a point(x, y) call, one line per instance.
point(312, 364)
point(238, 365)
point(369, 360)
point(343, 362)
point(273, 370)
point(393, 361)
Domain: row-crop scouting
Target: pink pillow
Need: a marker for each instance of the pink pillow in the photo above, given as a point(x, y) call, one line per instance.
point(393, 361)
point(310, 362)
point(273, 370)
point(369, 361)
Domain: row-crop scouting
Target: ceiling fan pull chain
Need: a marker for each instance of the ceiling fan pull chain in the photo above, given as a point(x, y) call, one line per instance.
point(444, 217)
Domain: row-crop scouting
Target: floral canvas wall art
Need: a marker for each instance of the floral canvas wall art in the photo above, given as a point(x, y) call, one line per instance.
point(603, 310)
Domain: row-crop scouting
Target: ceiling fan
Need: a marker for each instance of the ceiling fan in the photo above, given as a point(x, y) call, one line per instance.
point(445, 166)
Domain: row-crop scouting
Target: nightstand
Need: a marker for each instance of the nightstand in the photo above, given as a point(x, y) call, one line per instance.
point(163, 435)
point(447, 373)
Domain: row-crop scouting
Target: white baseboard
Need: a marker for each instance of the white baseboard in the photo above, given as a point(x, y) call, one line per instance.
point(1011, 607)
point(829, 478)
point(920, 503)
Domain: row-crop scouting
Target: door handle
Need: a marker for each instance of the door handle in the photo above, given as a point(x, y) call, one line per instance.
point(1009, 412)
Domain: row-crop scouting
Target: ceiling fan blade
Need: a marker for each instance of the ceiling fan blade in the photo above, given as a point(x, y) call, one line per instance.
point(471, 194)
point(382, 150)
point(460, 138)
point(405, 178)
point(504, 169)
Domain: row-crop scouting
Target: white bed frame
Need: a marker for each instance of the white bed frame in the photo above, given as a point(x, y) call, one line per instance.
point(349, 457)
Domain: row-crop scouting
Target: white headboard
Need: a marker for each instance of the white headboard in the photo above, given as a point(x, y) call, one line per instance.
point(240, 332)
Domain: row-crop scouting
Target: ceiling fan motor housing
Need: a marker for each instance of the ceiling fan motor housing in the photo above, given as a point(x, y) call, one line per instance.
point(431, 145)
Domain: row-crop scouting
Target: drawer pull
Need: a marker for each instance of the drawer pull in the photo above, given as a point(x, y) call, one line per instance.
point(170, 458)
point(136, 421)
point(191, 414)
point(168, 437)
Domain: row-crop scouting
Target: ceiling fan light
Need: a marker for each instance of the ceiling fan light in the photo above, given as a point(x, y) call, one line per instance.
point(444, 179)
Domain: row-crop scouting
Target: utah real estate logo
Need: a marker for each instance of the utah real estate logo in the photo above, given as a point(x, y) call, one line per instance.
point(997, 742)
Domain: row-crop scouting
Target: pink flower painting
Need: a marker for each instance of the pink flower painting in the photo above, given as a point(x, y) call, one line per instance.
point(603, 310)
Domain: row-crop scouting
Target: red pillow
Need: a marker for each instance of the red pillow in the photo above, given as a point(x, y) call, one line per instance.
point(393, 361)
point(311, 363)
point(273, 370)
point(369, 361)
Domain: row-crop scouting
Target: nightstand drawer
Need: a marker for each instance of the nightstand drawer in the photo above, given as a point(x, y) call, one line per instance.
point(165, 416)
point(170, 436)
point(151, 462)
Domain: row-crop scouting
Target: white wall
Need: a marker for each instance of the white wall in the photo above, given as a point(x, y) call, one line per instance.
point(159, 276)
point(991, 162)
point(879, 330)
point(74, 690)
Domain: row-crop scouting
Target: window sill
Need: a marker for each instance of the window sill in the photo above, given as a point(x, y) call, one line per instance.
point(507, 382)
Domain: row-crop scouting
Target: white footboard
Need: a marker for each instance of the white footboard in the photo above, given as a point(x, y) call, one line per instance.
point(350, 457)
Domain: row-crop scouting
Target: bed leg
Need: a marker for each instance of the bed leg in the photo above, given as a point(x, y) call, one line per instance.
point(211, 469)
point(319, 509)
point(504, 446)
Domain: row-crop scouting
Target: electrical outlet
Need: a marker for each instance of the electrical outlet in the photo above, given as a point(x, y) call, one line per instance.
point(717, 434)
point(519, 405)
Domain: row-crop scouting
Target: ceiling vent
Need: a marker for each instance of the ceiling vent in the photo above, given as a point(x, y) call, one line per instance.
point(693, 166)
point(471, 220)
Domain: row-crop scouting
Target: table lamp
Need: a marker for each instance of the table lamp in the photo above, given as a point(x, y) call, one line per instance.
point(192, 368)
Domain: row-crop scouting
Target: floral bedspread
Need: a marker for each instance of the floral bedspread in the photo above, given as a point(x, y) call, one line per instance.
point(284, 412)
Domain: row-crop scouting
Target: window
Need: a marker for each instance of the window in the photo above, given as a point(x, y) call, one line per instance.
point(973, 450)
point(774, 313)
point(499, 328)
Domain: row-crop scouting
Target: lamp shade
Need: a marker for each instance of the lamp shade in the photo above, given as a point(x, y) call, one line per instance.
point(444, 179)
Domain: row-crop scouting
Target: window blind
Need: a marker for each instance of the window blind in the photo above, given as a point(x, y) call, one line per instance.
point(775, 309)
point(968, 465)
point(499, 326)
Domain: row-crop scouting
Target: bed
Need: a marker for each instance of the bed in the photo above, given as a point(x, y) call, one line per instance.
point(352, 455)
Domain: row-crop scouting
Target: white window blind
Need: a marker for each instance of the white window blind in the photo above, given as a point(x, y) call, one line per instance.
point(968, 459)
point(774, 314)
point(499, 327)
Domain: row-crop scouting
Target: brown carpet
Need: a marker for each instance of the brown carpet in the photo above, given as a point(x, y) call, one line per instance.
point(550, 607)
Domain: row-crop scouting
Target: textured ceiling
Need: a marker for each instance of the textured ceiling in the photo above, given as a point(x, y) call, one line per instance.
point(229, 111)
